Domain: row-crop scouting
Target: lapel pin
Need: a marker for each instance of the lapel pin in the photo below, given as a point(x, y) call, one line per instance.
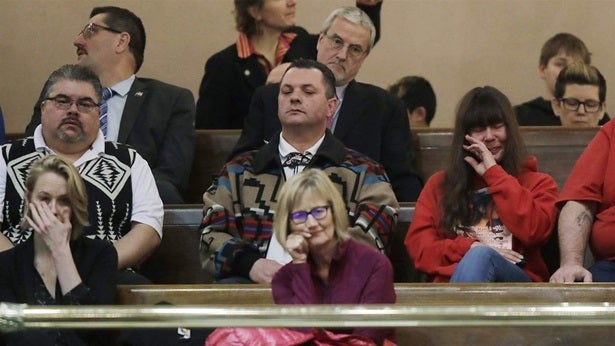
point(139, 93)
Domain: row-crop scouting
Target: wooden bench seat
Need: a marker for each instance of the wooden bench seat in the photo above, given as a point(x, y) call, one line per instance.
point(177, 261)
point(416, 296)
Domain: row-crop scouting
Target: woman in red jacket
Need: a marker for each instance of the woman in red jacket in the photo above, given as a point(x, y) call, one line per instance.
point(486, 216)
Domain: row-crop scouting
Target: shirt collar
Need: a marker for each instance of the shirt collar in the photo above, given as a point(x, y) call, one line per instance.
point(245, 49)
point(285, 148)
point(96, 149)
point(340, 91)
point(122, 88)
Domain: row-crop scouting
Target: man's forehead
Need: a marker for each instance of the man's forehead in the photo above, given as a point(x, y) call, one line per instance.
point(350, 32)
point(302, 76)
point(98, 19)
point(73, 88)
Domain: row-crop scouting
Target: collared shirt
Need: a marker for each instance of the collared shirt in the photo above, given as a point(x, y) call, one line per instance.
point(245, 49)
point(285, 148)
point(146, 203)
point(340, 91)
point(276, 251)
point(115, 106)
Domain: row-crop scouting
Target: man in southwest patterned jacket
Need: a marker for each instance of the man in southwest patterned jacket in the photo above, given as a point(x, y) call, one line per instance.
point(237, 241)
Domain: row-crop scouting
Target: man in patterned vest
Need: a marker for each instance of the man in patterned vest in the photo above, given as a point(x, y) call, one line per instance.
point(123, 203)
point(237, 241)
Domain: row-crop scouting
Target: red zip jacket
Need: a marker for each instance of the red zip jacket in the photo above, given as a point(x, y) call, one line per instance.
point(525, 204)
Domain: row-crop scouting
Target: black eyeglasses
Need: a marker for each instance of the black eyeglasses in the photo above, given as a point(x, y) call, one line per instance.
point(64, 103)
point(91, 29)
point(337, 43)
point(301, 216)
point(573, 104)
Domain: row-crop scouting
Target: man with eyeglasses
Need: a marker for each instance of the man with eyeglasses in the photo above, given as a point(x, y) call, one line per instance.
point(580, 94)
point(368, 118)
point(155, 118)
point(237, 241)
point(124, 206)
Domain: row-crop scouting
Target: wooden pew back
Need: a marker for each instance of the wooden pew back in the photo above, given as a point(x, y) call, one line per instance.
point(420, 294)
point(211, 152)
point(427, 295)
point(556, 148)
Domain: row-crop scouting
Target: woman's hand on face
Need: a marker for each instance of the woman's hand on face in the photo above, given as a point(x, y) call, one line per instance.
point(297, 247)
point(54, 230)
point(481, 159)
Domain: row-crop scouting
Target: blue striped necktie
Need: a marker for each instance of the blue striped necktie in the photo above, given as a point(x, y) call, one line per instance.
point(107, 93)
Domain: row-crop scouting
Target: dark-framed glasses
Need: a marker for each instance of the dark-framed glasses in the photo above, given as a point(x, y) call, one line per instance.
point(91, 29)
point(319, 213)
point(573, 104)
point(355, 51)
point(85, 105)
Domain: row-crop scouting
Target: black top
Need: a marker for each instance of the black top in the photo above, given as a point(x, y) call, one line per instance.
point(229, 81)
point(538, 112)
point(20, 282)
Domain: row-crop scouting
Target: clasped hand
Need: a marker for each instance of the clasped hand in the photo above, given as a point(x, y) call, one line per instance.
point(481, 159)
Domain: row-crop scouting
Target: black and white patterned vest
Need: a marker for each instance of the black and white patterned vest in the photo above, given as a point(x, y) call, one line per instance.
point(107, 180)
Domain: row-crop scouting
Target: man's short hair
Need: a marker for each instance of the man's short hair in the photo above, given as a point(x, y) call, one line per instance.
point(122, 19)
point(74, 73)
point(415, 92)
point(354, 15)
point(570, 44)
point(328, 78)
point(582, 74)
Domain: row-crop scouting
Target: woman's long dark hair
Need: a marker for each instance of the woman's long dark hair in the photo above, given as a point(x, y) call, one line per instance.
point(480, 107)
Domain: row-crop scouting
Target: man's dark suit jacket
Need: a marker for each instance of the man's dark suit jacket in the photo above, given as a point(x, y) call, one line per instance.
point(158, 121)
point(371, 121)
point(229, 81)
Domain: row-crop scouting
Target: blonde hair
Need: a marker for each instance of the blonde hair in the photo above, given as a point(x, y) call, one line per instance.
point(313, 181)
point(75, 189)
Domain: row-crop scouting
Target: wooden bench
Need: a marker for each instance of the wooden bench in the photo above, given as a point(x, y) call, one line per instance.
point(177, 261)
point(557, 149)
point(425, 296)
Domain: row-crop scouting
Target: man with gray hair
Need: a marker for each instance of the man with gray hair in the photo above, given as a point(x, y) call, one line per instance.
point(124, 206)
point(368, 118)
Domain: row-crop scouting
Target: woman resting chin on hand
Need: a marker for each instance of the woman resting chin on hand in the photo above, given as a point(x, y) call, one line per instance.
point(327, 266)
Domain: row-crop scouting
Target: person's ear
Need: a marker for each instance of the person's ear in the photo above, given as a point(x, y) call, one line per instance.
point(123, 44)
point(603, 111)
point(255, 13)
point(420, 113)
point(331, 106)
point(555, 104)
point(542, 71)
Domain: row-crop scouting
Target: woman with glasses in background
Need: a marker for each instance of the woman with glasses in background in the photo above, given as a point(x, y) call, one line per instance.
point(579, 97)
point(267, 38)
point(328, 267)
